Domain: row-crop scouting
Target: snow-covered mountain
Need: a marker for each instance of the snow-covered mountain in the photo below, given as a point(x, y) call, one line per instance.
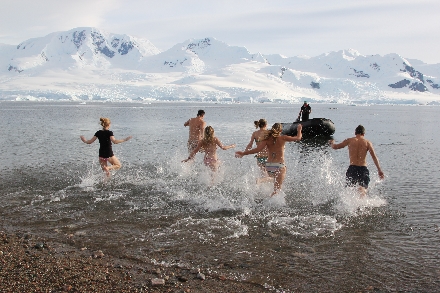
point(88, 63)
point(77, 48)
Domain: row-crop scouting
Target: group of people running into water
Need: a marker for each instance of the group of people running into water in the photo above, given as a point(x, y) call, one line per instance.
point(269, 150)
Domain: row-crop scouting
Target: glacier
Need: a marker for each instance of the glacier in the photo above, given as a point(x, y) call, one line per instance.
point(89, 64)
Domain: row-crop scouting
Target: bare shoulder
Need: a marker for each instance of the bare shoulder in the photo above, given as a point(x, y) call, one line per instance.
point(369, 143)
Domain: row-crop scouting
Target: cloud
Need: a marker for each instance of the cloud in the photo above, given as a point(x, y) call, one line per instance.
point(27, 19)
point(301, 27)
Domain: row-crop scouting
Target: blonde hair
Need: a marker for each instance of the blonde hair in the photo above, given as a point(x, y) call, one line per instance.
point(260, 123)
point(105, 122)
point(275, 132)
point(209, 136)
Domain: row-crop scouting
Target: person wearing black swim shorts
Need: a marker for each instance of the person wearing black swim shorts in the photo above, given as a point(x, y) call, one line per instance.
point(105, 138)
point(357, 173)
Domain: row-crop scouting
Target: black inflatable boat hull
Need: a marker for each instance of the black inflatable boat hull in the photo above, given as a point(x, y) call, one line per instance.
point(311, 128)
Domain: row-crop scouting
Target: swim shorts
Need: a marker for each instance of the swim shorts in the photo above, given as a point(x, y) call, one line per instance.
point(192, 145)
point(357, 175)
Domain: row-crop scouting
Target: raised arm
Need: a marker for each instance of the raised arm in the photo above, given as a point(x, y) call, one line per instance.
point(194, 152)
point(297, 137)
point(116, 141)
point(88, 141)
point(375, 160)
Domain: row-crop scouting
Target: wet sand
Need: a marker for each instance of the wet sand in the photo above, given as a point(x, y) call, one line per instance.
point(31, 264)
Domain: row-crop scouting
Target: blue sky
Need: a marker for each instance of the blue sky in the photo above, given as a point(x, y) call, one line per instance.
point(288, 27)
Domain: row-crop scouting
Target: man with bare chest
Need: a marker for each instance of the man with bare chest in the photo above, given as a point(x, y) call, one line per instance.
point(357, 173)
point(196, 127)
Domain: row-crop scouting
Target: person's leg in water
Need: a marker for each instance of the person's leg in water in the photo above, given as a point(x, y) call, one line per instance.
point(279, 178)
point(264, 177)
point(276, 172)
point(104, 167)
point(213, 165)
point(362, 191)
point(115, 164)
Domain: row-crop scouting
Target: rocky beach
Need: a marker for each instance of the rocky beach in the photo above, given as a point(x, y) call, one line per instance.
point(29, 263)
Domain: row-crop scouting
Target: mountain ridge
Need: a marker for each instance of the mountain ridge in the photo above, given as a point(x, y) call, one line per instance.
point(204, 69)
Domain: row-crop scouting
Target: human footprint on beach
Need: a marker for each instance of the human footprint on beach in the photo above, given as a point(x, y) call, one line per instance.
point(105, 138)
point(274, 142)
point(209, 145)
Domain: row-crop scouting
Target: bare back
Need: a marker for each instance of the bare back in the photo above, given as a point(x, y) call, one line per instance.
point(211, 148)
point(196, 127)
point(358, 147)
point(257, 136)
point(275, 147)
point(357, 150)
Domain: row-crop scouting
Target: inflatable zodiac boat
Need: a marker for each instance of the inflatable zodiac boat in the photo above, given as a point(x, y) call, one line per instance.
point(311, 128)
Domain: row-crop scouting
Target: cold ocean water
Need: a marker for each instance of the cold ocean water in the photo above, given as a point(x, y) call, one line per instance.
point(316, 236)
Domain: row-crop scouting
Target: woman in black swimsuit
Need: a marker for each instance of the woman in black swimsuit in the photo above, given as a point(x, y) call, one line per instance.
point(105, 137)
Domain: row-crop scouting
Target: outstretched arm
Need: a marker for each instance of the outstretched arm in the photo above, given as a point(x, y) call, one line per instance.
point(227, 147)
point(88, 141)
point(375, 160)
point(338, 145)
point(186, 123)
point(194, 152)
point(258, 149)
point(116, 141)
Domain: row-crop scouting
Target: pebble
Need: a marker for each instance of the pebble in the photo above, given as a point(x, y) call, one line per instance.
point(157, 282)
point(201, 276)
point(39, 245)
point(98, 254)
point(182, 279)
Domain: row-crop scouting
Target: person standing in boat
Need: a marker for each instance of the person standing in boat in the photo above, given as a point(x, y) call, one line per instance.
point(196, 127)
point(357, 173)
point(305, 111)
point(274, 142)
point(257, 136)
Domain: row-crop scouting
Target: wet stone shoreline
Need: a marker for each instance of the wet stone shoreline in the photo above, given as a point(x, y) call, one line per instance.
point(29, 263)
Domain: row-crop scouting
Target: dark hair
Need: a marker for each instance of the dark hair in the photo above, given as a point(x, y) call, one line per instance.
point(260, 123)
point(360, 130)
point(200, 113)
